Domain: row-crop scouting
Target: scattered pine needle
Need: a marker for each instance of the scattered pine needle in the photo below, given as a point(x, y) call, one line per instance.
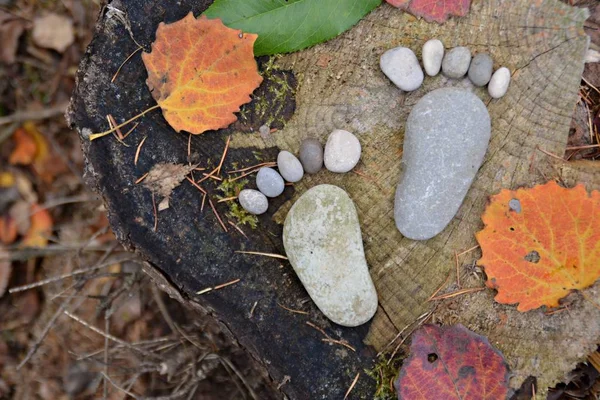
point(211, 176)
point(253, 308)
point(340, 342)
point(227, 199)
point(441, 287)
point(468, 250)
point(139, 149)
point(130, 130)
point(221, 286)
point(265, 164)
point(457, 269)
point(457, 293)
point(155, 213)
point(352, 385)
point(190, 180)
point(124, 62)
point(258, 253)
point(95, 136)
point(237, 228)
point(217, 215)
point(189, 148)
point(589, 146)
point(292, 310)
point(590, 85)
point(141, 178)
point(318, 328)
point(243, 175)
point(224, 154)
point(118, 134)
point(203, 201)
point(550, 154)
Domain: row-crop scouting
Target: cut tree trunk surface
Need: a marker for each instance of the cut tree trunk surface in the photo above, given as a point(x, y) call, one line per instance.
point(338, 85)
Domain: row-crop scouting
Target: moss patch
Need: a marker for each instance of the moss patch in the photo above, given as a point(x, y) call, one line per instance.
point(384, 375)
point(231, 188)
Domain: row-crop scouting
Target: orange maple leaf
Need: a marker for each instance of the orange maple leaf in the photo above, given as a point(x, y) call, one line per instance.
point(539, 244)
point(200, 72)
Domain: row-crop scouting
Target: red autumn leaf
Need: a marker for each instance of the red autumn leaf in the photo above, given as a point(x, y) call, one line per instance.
point(25, 148)
point(433, 10)
point(200, 72)
point(452, 363)
point(40, 228)
point(8, 229)
point(539, 244)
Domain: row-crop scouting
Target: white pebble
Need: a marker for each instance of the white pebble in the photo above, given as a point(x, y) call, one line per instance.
point(289, 166)
point(253, 201)
point(342, 151)
point(498, 85)
point(433, 53)
point(269, 182)
point(402, 67)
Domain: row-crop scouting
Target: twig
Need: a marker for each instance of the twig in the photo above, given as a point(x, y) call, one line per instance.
point(105, 382)
point(22, 116)
point(217, 215)
point(123, 63)
point(352, 385)
point(240, 376)
point(221, 286)
point(257, 253)
point(457, 293)
point(138, 150)
point(292, 310)
point(128, 393)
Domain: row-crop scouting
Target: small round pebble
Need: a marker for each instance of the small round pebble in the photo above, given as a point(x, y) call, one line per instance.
point(499, 83)
point(342, 151)
point(433, 53)
point(481, 68)
point(456, 62)
point(311, 155)
point(269, 182)
point(253, 201)
point(289, 166)
point(402, 67)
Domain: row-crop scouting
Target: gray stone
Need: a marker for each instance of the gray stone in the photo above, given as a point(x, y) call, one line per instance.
point(311, 155)
point(289, 166)
point(447, 134)
point(433, 53)
point(456, 62)
point(342, 151)
point(269, 182)
point(481, 68)
point(402, 67)
point(253, 201)
point(499, 83)
point(323, 242)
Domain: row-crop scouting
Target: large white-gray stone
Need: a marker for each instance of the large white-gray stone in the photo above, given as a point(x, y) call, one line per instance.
point(342, 151)
point(402, 67)
point(289, 166)
point(447, 135)
point(323, 242)
point(433, 53)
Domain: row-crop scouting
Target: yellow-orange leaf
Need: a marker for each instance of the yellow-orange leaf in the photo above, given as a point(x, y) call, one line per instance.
point(539, 244)
point(200, 72)
point(40, 228)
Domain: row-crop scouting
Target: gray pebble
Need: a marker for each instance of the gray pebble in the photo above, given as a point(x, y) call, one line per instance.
point(342, 151)
point(456, 62)
point(311, 155)
point(269, 182)
point(253, 201)
point(289, 166)
point(499, 83)
point(481, 68)
point(402, 67)
point(447, 135)
point(433, 53)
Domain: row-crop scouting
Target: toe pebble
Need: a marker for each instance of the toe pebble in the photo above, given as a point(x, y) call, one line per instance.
point(433, 53)
point(269, 182)
point(342, 151)
point(456, 62)
point(253, 201)
point(289, 166)
point(311, 155)
point(402, 67)
point(498, 85)
point(481, 68)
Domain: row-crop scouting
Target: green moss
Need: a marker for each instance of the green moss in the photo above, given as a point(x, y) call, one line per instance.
point(231, 188)
point(383, 374)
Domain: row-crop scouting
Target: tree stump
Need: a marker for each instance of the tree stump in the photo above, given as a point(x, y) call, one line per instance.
point(309, 93)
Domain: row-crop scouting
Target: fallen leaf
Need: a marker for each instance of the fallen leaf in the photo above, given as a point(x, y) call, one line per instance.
point(5, 268)
point(452, 363)
point(8, 229)
point(164, 177)
point(11, 29)
point(25, 148)
point(201, 81)
point(31, 148)
point(433, 10)
point(40, 228)
point(539, 244)
point(53, 31)
point(283, 27)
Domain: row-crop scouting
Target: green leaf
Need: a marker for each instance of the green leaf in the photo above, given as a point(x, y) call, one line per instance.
point(284, 26)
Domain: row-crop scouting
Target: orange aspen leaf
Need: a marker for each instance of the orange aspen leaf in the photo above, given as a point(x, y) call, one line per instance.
point(200, 72)
point(540, 244)
point(40, 228)
point(25, 148)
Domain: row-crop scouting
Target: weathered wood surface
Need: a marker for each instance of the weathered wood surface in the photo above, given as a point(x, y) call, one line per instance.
point(340, 86)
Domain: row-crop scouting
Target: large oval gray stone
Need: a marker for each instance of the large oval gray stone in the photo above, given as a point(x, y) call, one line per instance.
point(447, 135)
point(323, 242)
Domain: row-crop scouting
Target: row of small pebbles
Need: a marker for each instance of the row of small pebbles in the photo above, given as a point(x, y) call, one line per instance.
point(402, 67)
point(342, 153)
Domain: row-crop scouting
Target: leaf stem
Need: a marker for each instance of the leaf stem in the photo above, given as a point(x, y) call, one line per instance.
point(94, 136)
